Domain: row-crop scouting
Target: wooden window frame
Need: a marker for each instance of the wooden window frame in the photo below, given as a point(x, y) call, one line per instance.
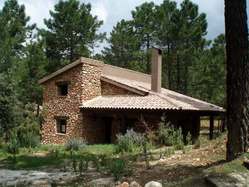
point(59, 128)
point(60, 85)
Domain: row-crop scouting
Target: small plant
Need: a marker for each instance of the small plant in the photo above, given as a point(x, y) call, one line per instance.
point(169, 151)
point(81, 166)
point(74, 165)
point(117, 168)
point(178, 139)
point(129, 142)
point(74, 145)
point(197, 144)
point(86, 159)
point(165, 132)
point(188, 139)
point(96, 162)
point(145, 152)
point(55, 152)
point(29, 128)
point(13, 146)
point(170, 136)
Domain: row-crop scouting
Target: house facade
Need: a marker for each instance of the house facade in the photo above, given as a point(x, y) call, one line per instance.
point(96, 101)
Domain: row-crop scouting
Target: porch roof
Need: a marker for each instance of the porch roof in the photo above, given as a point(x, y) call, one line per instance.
point(151, 101)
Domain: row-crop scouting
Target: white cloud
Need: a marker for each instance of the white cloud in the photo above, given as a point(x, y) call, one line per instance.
point(99, 9)
point(112, 11)
point(38, 10)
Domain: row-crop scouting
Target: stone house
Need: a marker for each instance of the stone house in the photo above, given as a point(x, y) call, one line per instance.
point(96, 101)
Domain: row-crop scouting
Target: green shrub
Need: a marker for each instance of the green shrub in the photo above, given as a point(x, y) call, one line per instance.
point(117, 168)
point(197, 144)
point(2, 143)
point(170, 136)
point(188, 139)
point(129, 142)
point(13, 145)
point(74, 165)
point(169, 151)
point(29, 129)
point(178, 142)
point(74, 145)
point(165, 134)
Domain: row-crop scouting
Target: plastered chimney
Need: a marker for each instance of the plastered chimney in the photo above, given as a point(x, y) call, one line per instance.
point(156, 70)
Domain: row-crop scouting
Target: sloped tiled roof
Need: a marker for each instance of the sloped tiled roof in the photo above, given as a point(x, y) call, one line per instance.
point(167, 99)
point(139, 83)
point(149, 102)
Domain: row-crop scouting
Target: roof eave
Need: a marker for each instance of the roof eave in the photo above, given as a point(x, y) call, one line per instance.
point(70, 66)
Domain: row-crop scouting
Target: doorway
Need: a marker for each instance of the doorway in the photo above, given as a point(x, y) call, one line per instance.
point(108, 129)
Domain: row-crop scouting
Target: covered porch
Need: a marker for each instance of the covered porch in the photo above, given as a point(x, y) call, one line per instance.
point(102, 126)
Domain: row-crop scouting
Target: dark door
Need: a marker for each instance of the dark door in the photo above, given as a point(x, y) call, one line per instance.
point(108, 129)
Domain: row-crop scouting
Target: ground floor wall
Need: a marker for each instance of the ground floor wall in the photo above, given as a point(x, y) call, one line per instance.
point(99, 127)
point(49, 133)
point(103, 127)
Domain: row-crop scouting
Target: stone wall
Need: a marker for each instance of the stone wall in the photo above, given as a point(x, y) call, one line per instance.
point(84, 84)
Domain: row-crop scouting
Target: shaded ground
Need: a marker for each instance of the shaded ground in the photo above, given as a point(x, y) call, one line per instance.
point(183, 169)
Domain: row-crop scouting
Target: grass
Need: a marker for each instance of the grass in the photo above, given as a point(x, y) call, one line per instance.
point(46, 156)
point(100, 149)
point(230, 167)
point(55, 156)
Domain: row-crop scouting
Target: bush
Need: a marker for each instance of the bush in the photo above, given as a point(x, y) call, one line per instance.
point(117, 168)
point(165, 134)
point(2, 143)
point(29, 129)
point(169, 136)
point(178, 142)
point(74, 145)
point(130, 141)
point(13, 145)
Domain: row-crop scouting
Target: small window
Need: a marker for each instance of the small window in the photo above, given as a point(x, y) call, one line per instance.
point(62, 88)
point(61, 125)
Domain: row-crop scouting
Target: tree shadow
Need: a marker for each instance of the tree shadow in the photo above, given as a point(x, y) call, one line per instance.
point(177, 175)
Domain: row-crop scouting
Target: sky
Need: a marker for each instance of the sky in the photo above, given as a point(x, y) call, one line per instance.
point(112, 11)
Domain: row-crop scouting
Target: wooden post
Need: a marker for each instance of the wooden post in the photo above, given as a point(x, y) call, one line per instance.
point(223, 124)
point(195, 130)
point(211, 127)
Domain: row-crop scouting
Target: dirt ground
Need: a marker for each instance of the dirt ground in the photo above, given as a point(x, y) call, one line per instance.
point(183, 169)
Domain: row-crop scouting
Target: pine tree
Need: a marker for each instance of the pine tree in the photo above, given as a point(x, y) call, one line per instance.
point(237, 77)
point(144, 23)
point(14, 30)
point(124, 47)
point(71, 32)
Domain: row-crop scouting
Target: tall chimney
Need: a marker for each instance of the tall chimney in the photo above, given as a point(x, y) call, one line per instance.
point(156, 70)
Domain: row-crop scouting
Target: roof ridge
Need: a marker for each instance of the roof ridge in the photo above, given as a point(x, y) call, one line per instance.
point(126, 69)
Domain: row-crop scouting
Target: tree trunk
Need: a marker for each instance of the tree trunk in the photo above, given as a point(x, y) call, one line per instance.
point(169, 68)
point(148, 55)
point(237, 77)
point(178, 72)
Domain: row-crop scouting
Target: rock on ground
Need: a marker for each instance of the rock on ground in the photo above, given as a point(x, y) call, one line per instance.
point(102, 182)
point(153, 184)
point(34, 178)
point(229, 180)
point(124, 184)
point(134, 184)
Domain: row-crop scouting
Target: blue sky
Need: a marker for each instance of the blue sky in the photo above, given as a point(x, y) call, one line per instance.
point(111, 11)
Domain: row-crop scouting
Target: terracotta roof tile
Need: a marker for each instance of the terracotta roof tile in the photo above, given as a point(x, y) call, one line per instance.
point(169, 99)
point(152, 102)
